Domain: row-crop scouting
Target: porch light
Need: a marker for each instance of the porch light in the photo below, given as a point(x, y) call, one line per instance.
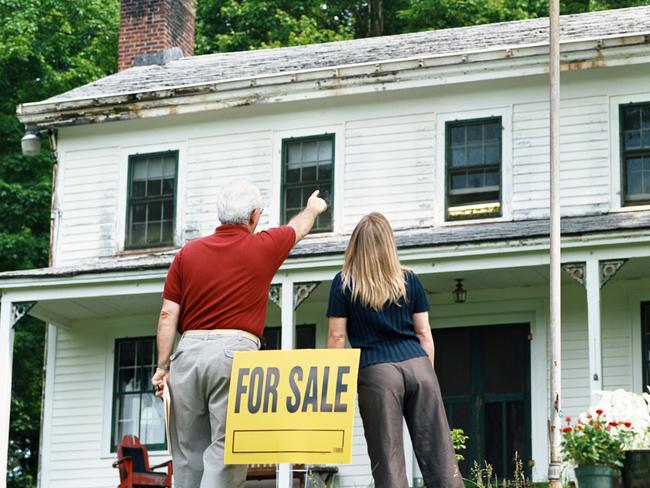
point(31, 143)
point(459, 293)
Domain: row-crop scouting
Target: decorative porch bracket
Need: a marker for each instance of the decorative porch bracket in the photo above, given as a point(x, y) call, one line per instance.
point(19, 310)
point(301, 291)
point(577, 271)
point(608, 269)
point(275, 294)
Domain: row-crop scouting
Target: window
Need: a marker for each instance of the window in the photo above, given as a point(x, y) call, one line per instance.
point(645, 341)
point(473, 167)
point(307, 165)
point(635, 153)
point(151, 200)
point(305, 337)
point(136, 410)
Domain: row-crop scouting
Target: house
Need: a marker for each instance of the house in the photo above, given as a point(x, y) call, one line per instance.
point(445, 132)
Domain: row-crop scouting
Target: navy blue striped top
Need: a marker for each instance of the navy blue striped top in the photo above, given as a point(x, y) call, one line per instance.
point(384, 336)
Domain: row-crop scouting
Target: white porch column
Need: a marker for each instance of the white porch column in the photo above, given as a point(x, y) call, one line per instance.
point(6, 362)
point(288, 315)
point(592, 284)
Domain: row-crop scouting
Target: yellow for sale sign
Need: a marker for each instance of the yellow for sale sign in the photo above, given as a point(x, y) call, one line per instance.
point(292, 406)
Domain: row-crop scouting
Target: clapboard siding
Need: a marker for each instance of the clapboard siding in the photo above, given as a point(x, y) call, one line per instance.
point(88, 195)
point(358, 473)
point(214, 160)
point(584, 154)
point(389, 165)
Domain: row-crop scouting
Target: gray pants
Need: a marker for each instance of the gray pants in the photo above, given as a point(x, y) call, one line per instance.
point(199, 381)
point(409, 389)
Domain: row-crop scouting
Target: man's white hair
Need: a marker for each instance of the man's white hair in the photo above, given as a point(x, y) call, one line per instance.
point(236, 201)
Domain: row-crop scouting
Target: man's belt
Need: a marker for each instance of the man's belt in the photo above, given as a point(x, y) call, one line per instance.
point(238, 332)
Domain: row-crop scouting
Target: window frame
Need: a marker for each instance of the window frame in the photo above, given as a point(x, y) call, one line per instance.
point(127, 218)
point(283, 186)
point(114, 393)
point(623, 154)
point(450, 124)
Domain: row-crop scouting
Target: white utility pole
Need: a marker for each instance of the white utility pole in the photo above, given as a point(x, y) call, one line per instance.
point(555, 288)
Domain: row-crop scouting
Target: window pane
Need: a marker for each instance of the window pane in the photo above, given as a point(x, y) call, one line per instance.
point(310, 151)
point(128, 415)
point(293, 153)
point(168, 186)
point(140, 170)
point(457, 136)
point(458, 156)
point(634, 182)
point(474, 133)
point(475, 155)
point(475, 180)
point(492, 155)
point(153, 233)
point(645, 139)
point(309, 173)
point(126, 354)
point(170, 167)
point(145, 353)
point(155, 168)
point(292, 175)
point(127, 380)
point(153, 188)
point(325, 171)
point(492, 178)
point(152, 423)
point(634, 164)
point(137, 234)
point(139, 212)
point(631, 118)
point(325, 220)
point(155, 211)
point(168, 231)
point(325, 150)
point(632, 139)
point(492, 132)
point(168, 210)
point(458, 181)
point(137, 188)
point(294, 197)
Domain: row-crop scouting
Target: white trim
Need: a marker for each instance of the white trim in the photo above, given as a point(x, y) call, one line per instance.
point(288, 341)
point(636, 296)
point(505, 113)
point(615, 150)
point(128, 327)
point(338, 130)
point(122, 190)
point(594, 332)
point(6, 367)
point(48, 407)
point(531, 311)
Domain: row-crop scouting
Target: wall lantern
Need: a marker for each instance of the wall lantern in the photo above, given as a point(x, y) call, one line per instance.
point(459, 293)
point(31, 143)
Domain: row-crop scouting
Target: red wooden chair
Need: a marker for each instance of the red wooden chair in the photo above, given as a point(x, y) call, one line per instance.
point(133, 463)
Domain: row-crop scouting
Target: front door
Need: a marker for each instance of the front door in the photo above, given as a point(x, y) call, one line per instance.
point(484, 375)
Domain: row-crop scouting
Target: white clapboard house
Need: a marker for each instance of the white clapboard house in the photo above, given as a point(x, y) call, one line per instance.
point(445, 132)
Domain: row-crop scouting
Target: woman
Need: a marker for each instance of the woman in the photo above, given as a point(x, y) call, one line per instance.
point(383, 310)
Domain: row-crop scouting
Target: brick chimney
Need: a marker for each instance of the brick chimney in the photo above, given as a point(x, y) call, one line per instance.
point(155, 31)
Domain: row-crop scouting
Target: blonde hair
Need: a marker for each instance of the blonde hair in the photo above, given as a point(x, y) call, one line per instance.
point(371, 267)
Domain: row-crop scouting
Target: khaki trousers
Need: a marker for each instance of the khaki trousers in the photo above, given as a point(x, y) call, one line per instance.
point(389, 392)
point(199, 381)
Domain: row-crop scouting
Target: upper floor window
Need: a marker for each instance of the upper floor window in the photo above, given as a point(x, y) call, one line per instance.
point(307, 165)
point(473, 168)
point(136, 411)
point(151, 200)
point(635, 153)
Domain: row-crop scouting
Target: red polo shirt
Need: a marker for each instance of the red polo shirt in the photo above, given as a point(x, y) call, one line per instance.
point(222, 281)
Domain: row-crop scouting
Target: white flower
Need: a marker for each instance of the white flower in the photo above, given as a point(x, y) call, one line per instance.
point(625, 406)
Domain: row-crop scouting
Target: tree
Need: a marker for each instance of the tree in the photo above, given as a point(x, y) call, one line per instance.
point(46, 47)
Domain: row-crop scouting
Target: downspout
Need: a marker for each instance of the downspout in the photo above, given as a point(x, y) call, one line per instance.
point(54, 226)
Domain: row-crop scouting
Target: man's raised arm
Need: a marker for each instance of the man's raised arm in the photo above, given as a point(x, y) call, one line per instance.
point(304, 221)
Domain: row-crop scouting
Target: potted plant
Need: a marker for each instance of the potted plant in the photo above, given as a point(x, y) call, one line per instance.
point(625, 406)
point(596, 446)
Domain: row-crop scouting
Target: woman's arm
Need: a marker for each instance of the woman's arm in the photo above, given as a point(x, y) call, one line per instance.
point(423, 331)
point(337, 332)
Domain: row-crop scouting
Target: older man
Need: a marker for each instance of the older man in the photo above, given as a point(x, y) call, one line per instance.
point(215, 295)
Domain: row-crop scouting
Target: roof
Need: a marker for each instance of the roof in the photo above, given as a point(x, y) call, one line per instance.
point(246, 64)
point(315, 245)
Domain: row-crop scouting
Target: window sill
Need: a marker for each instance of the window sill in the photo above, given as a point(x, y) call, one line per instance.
point(630, 208)
point(452, 223)
point(152, 454)
point(147, 250)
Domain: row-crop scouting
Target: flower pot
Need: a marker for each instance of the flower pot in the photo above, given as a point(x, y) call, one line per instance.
point(597, 476)
point(636, 469)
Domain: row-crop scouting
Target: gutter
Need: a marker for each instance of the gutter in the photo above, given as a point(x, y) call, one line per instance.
point(431, 70)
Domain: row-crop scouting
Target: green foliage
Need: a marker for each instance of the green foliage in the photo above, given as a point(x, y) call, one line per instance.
point(595, 440)
point(483, 476)
point(458, 439)
point(46, 47)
